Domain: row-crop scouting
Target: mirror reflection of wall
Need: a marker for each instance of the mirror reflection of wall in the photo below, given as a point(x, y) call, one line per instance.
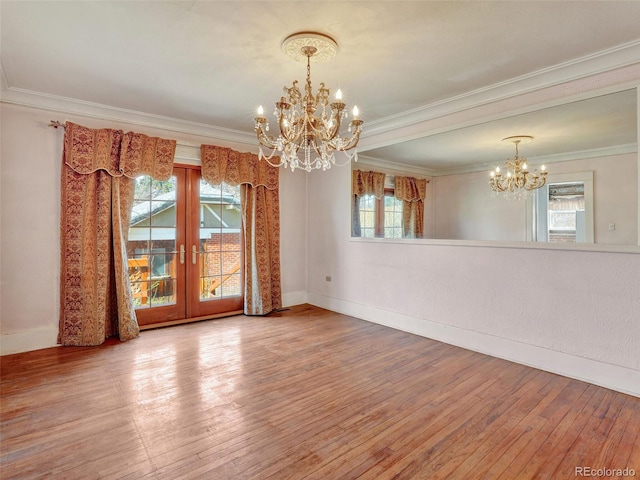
point(463, 207)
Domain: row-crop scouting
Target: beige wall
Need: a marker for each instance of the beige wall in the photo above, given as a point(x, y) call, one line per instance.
point(463, 207)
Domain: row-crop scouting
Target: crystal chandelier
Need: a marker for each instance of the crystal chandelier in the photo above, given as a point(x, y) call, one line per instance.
point(518, 179)
point(309, 125)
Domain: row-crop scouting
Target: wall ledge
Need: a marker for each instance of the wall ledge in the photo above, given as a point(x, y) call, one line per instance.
point(576, 247)
point(622, 379)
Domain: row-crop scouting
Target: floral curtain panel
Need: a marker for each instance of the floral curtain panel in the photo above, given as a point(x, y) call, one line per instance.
point(412, 192)
point(98, 171)
point(259, 191)
point(363, 183)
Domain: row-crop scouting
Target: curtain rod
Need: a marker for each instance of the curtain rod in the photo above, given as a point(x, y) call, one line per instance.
point(56, 124)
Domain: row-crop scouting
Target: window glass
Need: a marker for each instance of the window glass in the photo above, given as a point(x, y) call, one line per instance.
point(368, 216)
point(392, 217)
point(380, 217)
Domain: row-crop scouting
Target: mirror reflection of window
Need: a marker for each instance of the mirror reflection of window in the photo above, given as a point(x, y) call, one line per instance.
point(368, 216)
point(387, 206)
point(565, 213)
point(563, 209)
point(380, 218)
point(392, 216)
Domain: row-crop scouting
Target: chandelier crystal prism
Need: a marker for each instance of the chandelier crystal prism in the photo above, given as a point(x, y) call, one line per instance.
point(518, 179)
point(309, 124)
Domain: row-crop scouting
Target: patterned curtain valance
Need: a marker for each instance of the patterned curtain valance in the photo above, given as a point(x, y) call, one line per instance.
point(87, 150)
point(143, 155)
point(410, 189)
point(220, 164)
point(367, 183)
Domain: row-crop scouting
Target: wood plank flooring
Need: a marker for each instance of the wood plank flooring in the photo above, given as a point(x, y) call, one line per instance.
point(302, 394)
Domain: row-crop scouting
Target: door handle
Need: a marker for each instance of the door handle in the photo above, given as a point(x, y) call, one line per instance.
point(182, 254)
point(194, 254)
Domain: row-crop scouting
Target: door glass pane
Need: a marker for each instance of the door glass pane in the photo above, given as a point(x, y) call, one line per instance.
point(367, 215)
point(392, 217)
point(220, 241)
point(151, 248)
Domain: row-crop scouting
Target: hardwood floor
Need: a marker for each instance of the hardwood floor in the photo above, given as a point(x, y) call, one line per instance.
point(305, 393)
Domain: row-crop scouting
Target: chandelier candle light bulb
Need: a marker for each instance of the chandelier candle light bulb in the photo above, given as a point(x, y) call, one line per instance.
point(309, 125)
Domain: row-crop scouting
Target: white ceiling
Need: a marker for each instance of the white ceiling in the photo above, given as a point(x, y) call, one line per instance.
point(603, 125)
point(213, 62)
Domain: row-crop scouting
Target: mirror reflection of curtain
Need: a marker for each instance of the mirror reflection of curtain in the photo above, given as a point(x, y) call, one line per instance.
point(259, 193)
point(412, 192)
point(98, 172)
point(363, 183)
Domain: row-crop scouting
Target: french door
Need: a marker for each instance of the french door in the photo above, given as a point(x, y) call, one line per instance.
point(185, 249)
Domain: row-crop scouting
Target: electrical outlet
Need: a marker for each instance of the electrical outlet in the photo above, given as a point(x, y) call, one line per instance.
point(612, 227)
point(327, 278)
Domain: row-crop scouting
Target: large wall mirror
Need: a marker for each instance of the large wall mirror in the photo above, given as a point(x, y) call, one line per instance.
point(589, 148)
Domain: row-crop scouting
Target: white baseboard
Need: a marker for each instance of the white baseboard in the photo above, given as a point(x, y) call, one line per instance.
point(614, 377)
point(46, 337)
point(294, 298)
point(34, 339)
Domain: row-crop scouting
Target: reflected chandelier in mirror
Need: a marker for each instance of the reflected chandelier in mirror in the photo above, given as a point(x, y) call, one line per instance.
point(518, 180)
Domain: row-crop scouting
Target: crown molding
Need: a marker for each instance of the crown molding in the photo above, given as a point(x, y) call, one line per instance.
point(391, 168)
point(500, 99)
point(585, 154)
point(71, 106)
point(615, 66)
point(400, 168)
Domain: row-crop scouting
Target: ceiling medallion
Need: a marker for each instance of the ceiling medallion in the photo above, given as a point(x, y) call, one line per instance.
point(309, 125)
point(326, 47)
point(518, 180)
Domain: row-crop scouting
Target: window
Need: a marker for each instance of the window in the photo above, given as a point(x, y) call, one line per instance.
point(384, 206)
point(380, 217)
point(220, 241)
point(392, 217)
point(562, 210)
point(151, 243)
point(369, 223)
